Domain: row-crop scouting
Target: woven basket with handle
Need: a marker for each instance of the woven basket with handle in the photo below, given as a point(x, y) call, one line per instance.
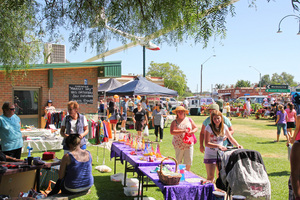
point(169, 179)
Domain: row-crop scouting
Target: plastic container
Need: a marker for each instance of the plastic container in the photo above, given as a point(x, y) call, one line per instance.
point(117, 177)
point(131, 182)
point(145, 198)
point(219, 195)
point(181, 171)
point(289, 146)
point(238, 197)
point(131, 191)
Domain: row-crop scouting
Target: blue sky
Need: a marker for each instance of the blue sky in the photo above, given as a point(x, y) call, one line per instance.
point(251, 40)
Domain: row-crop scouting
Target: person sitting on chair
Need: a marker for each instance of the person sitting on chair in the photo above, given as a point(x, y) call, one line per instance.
point(75, 173)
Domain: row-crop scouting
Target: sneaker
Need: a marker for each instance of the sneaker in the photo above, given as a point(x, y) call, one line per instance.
point(160, 141)
point(156, 140)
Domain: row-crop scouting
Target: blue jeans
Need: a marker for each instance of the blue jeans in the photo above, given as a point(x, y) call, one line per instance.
point(283, 126)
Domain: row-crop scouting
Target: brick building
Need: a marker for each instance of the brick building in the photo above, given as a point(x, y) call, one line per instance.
point(233, 93)
point(30, 93)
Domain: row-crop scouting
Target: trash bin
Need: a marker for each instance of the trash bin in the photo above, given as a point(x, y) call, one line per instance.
point(195, 111)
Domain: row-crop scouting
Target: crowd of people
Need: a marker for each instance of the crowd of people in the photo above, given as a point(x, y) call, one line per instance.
point(216, 134)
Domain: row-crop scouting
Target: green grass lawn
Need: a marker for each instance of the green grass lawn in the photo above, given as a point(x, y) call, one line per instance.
point(250, 133)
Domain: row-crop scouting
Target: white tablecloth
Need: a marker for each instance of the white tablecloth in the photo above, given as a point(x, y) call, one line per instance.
point(42, 145)
point(42, 140)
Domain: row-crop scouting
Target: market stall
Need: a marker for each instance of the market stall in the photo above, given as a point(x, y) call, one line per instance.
point(21, 177)
point(41, 140)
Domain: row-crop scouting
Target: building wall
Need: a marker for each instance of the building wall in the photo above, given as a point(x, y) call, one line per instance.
point(59, 94)
point(241, 91)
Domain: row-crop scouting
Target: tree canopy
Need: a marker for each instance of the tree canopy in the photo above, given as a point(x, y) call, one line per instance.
point(276, 79)
point(26, 24)
point(174, 78)
point(242, 83)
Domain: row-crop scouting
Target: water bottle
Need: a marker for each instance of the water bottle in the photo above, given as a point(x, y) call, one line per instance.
point(181, 171)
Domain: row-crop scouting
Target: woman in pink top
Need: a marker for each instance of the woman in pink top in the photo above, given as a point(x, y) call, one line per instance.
point(291, 118)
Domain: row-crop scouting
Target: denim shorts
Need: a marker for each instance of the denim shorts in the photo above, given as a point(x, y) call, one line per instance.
point(283, 126)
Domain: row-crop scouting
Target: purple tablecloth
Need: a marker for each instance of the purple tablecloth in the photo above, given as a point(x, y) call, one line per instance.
point(185, 189)
point(123, 151)
point(117, 149)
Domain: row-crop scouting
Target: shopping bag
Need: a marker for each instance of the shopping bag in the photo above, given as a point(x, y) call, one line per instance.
point(188, 139)
point(146, 131)
point(161, 122)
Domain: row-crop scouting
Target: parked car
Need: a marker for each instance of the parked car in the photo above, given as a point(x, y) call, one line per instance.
point(172, 101)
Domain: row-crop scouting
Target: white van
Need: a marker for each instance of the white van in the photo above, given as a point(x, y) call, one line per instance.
point(253, 99)
point(196, 101)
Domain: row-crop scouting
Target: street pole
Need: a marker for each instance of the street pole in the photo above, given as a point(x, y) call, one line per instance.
point(260, 83)
point(201, 79)
point(144, 61)
point(201, 73)
point(259, 78)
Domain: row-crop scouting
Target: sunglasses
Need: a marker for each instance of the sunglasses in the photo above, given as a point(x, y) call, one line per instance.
point(12, 109)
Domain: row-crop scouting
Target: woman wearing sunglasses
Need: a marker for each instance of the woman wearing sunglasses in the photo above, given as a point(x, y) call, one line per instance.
point(10, 131)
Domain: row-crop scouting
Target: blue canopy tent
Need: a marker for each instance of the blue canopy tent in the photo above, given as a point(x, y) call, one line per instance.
point(141, 86)
point(111, 84)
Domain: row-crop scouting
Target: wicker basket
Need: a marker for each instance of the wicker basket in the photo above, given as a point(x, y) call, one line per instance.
point(167, 179)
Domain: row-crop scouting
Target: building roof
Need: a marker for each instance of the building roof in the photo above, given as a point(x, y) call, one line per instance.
point(71, 65)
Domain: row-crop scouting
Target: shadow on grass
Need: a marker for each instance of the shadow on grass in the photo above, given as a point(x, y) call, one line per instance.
point(271, 124)
point(109, 190)
point(271, 142)
point(282, 173)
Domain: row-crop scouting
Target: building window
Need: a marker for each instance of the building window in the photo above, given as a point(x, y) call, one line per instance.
point(26, 102)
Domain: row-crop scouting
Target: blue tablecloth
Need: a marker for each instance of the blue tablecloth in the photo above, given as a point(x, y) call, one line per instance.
point(190, 189)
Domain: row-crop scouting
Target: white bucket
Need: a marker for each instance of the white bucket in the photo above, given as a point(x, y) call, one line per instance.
point(238, 197)
point(117, 177)
point(131, 182)
point(219, 195)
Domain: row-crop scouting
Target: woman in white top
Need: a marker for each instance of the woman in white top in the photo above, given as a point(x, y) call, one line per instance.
point(215, 133)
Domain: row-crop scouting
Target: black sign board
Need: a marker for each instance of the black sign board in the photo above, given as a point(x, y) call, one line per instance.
point(277, 87)
point(83, 94)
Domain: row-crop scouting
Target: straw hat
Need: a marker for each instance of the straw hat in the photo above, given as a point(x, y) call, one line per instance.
point(116, 96)
point(213, 106)
point(178, 108)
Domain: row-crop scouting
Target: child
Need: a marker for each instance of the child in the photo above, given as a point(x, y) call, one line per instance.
point(281, 119)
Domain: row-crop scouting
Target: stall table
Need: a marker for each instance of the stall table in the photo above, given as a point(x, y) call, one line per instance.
point(122, 151)
point(41, 140)
point(190, 189)
point(22, 178)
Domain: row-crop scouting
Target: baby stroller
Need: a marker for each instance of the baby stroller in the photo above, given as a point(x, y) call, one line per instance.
point(242, 172)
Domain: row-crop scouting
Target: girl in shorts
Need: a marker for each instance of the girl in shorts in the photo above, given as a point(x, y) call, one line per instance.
point(291, 118)
point(215, 133)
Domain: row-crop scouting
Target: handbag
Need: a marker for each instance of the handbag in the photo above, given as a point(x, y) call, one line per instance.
point(188, 139)
point(118, 116)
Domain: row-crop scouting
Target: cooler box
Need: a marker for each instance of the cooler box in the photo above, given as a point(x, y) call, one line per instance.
point(48, 155)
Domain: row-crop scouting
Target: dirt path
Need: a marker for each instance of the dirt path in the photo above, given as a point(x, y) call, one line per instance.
point(254, 131)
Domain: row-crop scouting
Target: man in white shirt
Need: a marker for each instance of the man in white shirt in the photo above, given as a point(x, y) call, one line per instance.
point(248, 108)
point(185, 103)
